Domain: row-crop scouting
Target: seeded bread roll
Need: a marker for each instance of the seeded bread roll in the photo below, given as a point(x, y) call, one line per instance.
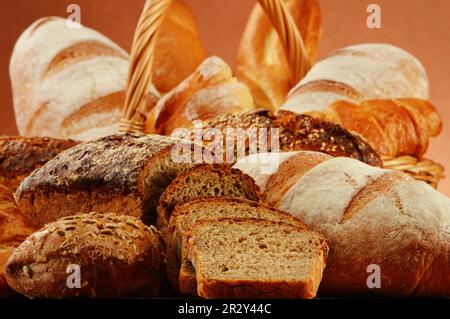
point(185, 215)
point(296, 132)
point(117, 256)
point(123, 174)
point(206, 180)
point(19, 156)
point(250, 258)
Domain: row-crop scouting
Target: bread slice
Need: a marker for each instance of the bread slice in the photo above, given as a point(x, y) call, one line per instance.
point(250, 258)
point(179, 269)
point(206, 180)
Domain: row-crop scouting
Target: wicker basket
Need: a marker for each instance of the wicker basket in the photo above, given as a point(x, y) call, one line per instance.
point(139, 76)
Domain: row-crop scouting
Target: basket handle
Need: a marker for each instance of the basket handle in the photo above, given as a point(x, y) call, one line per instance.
point(142, 52)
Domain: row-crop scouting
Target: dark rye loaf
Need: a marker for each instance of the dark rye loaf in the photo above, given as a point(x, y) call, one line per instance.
point(20, 156)
point(123, 174)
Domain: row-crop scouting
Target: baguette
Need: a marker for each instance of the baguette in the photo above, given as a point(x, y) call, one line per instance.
point(20, 156)
point(261, 62)
point(123, 174)
point(371, 216)
point(117, 257)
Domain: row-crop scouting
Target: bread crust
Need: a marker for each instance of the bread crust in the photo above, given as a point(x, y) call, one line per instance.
point(19, 156)
point(117, 256)
point(14, 228)
point(393, 127)
point(262, 64)
point(298, 132)
point(121, 169)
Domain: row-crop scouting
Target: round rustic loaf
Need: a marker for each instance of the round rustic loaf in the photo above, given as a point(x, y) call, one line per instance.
point(116, 255)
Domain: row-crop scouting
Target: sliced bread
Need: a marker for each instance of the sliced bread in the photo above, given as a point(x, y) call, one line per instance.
point(251, 258)
point(206, 180)
point(179, 269)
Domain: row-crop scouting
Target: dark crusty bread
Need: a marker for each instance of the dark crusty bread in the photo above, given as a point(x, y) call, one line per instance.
point(179, 269)
point(14, 228)
point(117, 255)
point(206, 180)
point(123, 174)
point(250, 258)
point(19, 156)
point(296, 132)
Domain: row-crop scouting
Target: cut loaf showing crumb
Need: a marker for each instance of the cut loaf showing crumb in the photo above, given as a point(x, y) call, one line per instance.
point(123, 174)
point(179, 269)
point(251, 258)
point(206, 180)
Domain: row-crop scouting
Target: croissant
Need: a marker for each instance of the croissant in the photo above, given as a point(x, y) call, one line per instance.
point(393, 127)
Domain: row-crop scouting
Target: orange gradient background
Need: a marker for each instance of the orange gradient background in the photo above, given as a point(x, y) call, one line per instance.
point(421, 27)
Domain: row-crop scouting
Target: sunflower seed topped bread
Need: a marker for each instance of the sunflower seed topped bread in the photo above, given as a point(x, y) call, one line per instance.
point(206, 180)
point(14, 228)
point(123, 174)
point(19, 156)
point(371, 217)
point(295, 132)
point(251, 258)
point(185, 215)
point(117, 256)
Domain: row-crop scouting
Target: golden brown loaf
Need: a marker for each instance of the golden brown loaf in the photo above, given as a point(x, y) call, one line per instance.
point(14, 228)
point(393, 127)
point(210, 91)
point(296, 132)
point(19, 156)
point(179, 50)
point(114, 256)
point(371, 217)
point(357, 73)
point(123, 174)
point(76, 77)
point(262, 63)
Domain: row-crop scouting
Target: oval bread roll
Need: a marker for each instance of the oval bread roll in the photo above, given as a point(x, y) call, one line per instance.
point(116, 256)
